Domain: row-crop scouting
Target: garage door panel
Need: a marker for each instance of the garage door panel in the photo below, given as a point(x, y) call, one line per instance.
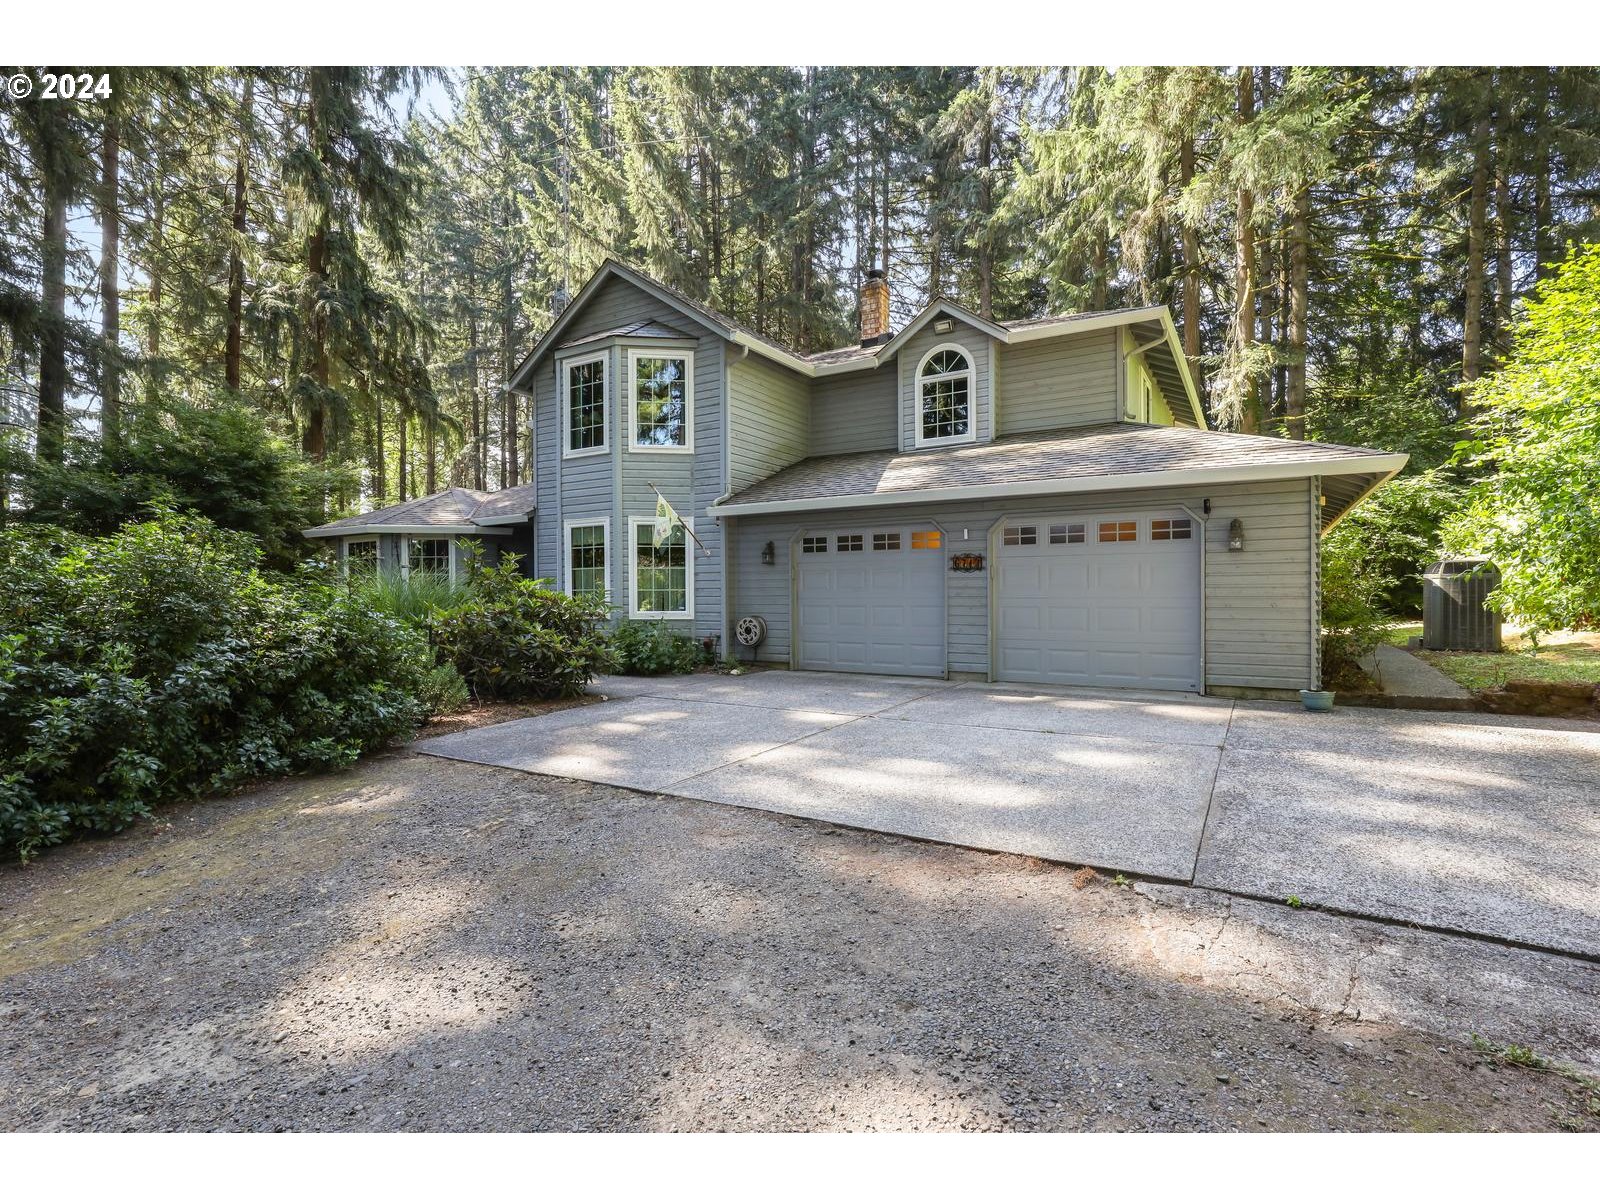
point(882, 611)
point(1121, 614)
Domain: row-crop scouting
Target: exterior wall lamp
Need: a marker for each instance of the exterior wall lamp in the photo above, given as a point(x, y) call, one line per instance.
point(1236, 534)
point(769, 555)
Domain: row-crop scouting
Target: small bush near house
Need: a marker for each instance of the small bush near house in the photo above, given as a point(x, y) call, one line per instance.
point(159, 663)
point(1352, 623)
point(417, 600)
point(651, 648)
point(515, 639)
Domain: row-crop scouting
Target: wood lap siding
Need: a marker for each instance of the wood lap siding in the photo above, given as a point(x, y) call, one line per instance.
point(855, 412)
point(1057, 382)
point(977, 345)
point(1258, 626)
point(770, 417)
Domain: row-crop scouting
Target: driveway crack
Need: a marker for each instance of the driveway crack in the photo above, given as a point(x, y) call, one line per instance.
point(1211, 792)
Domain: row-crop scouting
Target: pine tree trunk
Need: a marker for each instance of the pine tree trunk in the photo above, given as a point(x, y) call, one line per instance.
point(1099, 298)
point(233, 351)
point(1191, 265)
point(986, 240)
point(1299, 259)
point(158, 249)
point(433, 457)
point(51, 443)
point(1477, 219)
point(1244, 308)
point(110, 281)
point(404, 473)
point(1541, 185)
point(1504, 226)
point(507, 348)
point(314, 442)
point(382, 467)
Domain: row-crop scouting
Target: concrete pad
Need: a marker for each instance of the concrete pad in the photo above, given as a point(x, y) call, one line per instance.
point(1467, 748)
point(1401, 673)
point(1114, 803)
point(1156, 718)
point(1408, 834)
point(644, 743)
point(812, 691)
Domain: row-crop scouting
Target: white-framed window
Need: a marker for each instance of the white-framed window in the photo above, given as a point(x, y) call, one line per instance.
point(1118, 531)
point(660, 581)
point(945, 388)
point(586, 567)
point(431, 555)
point(1066, 535)
point(814, 545)
point(585, 416)
point(849, 542)
point(886, 541)
point(1171, 529)
point(361, 557)
point(1021, 535)
point(661, 400)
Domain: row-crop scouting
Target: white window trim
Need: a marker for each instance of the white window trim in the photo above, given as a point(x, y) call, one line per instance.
point(377, 553)
point(633, 571)
point(638, 352)
point(565, 367)
point(405, 551)
point(917, 380)
point(567, 526)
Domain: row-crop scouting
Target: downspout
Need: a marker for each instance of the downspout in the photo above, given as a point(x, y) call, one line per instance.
point(1201, 519)
point(726, 525)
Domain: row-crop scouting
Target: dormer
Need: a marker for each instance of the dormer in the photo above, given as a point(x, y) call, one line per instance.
point(946, 360)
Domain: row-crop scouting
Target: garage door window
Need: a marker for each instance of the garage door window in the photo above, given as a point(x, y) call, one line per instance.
point(849, 542)
point(886, 541)
point(814, 545)
point(926, 539)
point(1175, 529)
point(1022, 535)
point(1066, 535)
point(1119, 531)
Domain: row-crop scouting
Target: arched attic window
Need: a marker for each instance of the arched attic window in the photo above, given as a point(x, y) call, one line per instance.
point(944, 397)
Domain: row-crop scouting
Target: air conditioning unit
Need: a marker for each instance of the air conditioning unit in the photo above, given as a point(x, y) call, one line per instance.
point(1455, 615)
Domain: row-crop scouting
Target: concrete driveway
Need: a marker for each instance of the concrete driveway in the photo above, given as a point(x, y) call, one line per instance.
point(1483, 825)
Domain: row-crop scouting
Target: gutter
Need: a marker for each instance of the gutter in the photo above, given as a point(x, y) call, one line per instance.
point(1387, 464)
point(327, 531)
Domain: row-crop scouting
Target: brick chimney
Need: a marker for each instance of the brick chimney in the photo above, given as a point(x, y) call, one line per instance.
point(874, 309)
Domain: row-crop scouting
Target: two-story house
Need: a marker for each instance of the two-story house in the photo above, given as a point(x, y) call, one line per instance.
point(1035, 501)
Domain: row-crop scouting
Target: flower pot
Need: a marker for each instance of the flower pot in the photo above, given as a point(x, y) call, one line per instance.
point(1316, 701)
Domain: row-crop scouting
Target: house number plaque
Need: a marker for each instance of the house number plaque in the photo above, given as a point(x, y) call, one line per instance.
point(966, 562)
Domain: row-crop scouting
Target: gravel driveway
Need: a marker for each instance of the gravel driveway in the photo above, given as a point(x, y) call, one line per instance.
point(422, 944)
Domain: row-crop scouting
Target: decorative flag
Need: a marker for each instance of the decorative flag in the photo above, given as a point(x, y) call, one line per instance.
point(667, 520)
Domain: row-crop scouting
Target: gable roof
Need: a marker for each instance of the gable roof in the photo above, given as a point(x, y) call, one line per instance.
point(454, 510)
point(1167, 361)
point(1092, 458)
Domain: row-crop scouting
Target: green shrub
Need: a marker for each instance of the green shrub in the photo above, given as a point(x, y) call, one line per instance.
point(1352, 622)
point(651, 648)
point(515, 639)
point(443, 690)
point(158, 663)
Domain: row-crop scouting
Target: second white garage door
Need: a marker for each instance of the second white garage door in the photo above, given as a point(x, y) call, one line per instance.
point(1110, 601)
point(871, 598)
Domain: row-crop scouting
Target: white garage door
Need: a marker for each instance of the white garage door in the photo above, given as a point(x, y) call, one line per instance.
point(871, 598)
point(1111, 601)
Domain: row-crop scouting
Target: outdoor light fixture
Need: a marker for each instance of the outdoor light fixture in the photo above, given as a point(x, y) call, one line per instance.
point(1236, 534)
point(943, 326)
point(769, 555)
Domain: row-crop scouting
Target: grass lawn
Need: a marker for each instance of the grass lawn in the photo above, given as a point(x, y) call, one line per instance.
point(1561, 657)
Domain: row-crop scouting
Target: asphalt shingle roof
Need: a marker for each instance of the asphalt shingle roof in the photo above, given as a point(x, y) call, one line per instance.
point(1060, 454)
point(453, 506)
